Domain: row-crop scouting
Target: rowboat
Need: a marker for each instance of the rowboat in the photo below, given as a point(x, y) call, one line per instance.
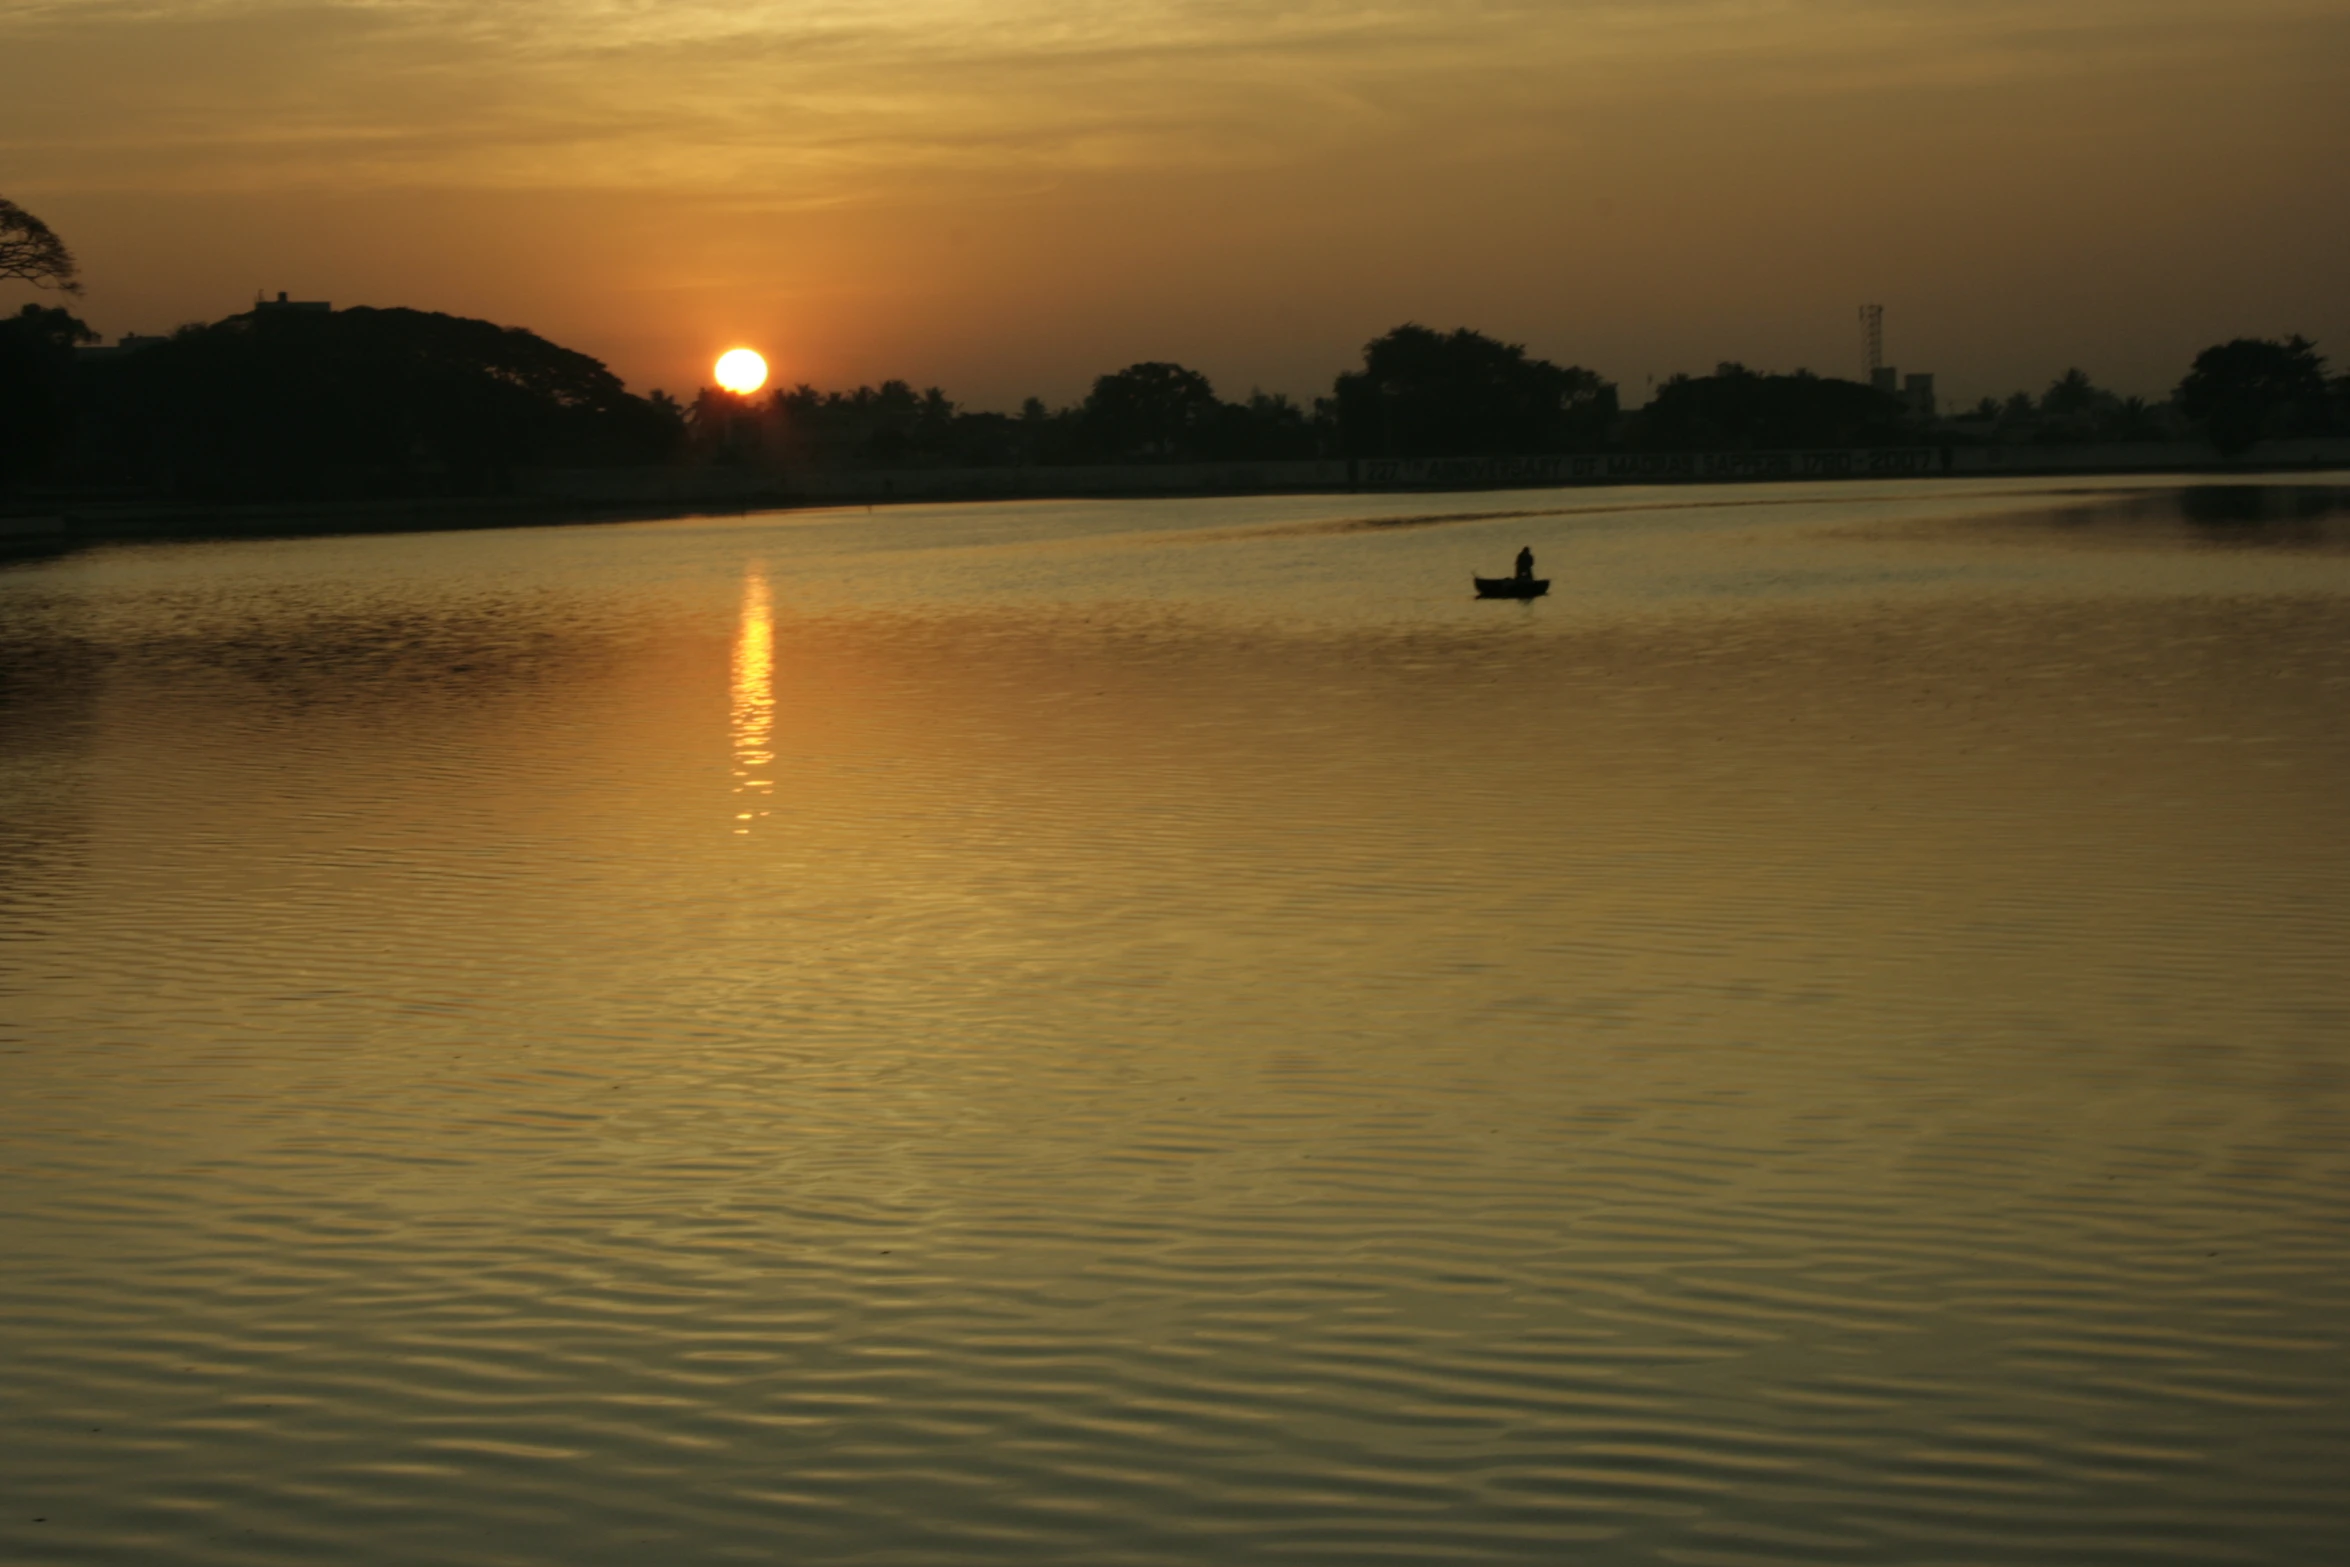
point(1511, 587)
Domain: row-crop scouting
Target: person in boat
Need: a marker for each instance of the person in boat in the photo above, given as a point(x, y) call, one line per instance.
point(1526, 564)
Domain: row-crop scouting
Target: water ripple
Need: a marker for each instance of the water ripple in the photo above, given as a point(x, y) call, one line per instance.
point(1100, 1034)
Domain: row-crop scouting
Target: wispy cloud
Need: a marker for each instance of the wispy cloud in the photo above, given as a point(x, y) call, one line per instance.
point(819, 100)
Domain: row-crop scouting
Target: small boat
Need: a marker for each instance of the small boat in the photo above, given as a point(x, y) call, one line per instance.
point(1511, 587)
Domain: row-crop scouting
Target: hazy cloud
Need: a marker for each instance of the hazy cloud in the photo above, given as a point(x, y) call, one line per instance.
point(817, 101)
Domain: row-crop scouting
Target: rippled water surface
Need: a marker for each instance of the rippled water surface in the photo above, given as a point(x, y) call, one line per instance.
point(1169, 1033)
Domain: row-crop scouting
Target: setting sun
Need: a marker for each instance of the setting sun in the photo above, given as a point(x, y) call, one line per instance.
point(741, 371)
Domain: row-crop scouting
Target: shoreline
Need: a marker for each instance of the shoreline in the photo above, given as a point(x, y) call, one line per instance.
point(572, 497)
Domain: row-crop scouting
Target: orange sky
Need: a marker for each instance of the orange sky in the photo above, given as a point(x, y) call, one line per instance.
point(1010, 198)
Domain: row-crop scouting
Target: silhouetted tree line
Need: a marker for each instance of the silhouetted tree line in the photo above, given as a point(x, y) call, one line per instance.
point(288, 402)
point(1419, 393)
point(1737, 409)
point(1152, 412)
point(283, 403)
point(1422, 393)
point(293, 403)
point(2235, 395)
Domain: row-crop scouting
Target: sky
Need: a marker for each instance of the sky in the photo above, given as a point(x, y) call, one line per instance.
point(1009, 198)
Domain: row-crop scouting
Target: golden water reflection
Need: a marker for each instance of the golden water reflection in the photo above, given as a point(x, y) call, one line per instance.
point(752, 709)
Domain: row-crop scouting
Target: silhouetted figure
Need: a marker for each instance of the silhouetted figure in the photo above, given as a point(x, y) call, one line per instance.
point(1526, 565)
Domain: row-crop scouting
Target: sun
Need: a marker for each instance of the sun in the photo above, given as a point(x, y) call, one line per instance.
point(741, 371)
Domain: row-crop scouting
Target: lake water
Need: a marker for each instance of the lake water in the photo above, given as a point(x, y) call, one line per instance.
point(1166, 1032)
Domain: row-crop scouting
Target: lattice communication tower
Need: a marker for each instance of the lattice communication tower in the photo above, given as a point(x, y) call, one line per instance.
point(1872, 341)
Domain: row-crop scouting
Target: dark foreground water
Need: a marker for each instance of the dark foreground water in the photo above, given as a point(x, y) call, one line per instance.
point(1167, 1033)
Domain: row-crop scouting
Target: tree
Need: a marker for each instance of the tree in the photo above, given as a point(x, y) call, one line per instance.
point(889, 426)
point(1737, 409)
point(31, 252)
point(2071, 395)
point(2254, 386)
point(2074, 410)
point(1269, 427)
point(36, 385)
point(1423, 393)
point(2134, 419)
point(1153, 409)
point(278, 404)
point(723, 426)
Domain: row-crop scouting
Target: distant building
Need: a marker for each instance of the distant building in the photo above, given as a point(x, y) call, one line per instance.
point(1915, 392)
point(319, 306)
point(1916, 395)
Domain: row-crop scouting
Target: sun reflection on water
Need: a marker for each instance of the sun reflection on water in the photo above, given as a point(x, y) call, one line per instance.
point(753, 707)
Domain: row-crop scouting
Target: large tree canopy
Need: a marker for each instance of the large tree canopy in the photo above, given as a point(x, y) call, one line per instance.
point(1423, 393)
point(1737, 409)
point(31, 252)
point(296, 402)
point(2242, 390)
point(1150, 410)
